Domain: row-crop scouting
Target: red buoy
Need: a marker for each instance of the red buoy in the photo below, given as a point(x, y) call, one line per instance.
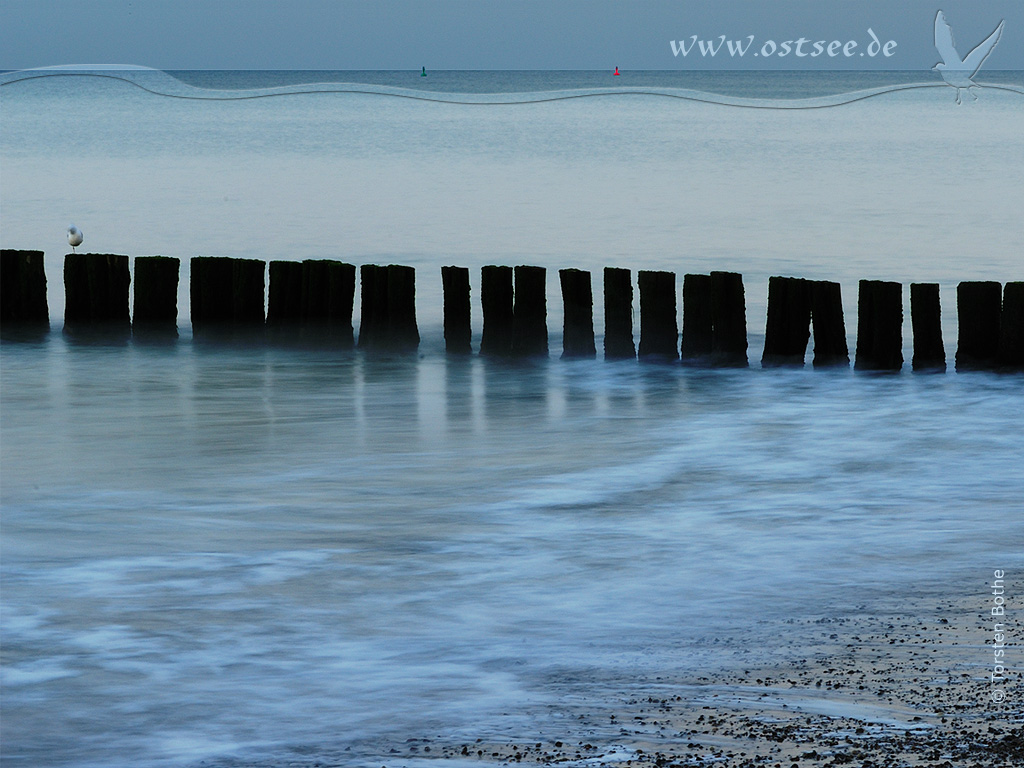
point(616, 71)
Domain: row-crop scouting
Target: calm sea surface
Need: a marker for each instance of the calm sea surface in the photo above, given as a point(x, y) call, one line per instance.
point(245, 553)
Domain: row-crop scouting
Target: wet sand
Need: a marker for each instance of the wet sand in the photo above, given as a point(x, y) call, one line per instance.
point(908, 688)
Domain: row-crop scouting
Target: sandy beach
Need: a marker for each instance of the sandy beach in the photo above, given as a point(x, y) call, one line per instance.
point(908, 688)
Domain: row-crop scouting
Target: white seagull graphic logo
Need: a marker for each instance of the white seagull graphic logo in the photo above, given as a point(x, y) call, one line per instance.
point(955, 71)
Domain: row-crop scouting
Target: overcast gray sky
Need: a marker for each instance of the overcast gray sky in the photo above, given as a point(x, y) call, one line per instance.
point(487, 34)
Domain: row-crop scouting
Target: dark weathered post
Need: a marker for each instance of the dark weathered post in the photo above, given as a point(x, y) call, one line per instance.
point(578, 322)
point(978, 309)
point(697, 344)
point(328, 293)
point(457, 310)
point(728, 320)
point(341, 297)
point(659, 329)
point(77, 296)
point(830, 348)
point(529, 312)
point(403, 334)
point(879, 326)
point(316, 294)
point(155, 304)
point(96, 290)
point(227, 292)
point(496, 297)
point(373, 310)
point(618, 314)
point(23, 289)
point(1010, 355)
point(926, 321)
point(788, 327)
point(248, 280)
point(284, 302)
point(210, 291)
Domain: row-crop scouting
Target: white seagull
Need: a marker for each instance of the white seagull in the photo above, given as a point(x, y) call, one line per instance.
point(955, 71)
point(75, 237)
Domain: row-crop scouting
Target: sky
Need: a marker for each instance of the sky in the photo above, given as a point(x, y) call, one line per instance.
point(492, 34)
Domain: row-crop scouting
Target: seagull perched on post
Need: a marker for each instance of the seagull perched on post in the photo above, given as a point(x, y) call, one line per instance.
point(955, 71)
point(75, 237)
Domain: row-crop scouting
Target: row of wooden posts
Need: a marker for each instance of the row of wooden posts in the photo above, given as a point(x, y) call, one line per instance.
point(316, 298)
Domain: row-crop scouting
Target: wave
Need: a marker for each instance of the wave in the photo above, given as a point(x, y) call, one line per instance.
point(161, 83)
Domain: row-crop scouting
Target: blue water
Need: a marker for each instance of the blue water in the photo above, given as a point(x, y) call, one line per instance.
point(245, 553)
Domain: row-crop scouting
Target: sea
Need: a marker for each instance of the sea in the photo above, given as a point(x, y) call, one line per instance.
point(253, 554)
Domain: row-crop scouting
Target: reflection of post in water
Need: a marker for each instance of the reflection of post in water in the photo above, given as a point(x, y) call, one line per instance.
point(231, 413)
point(578, 386)
point(515, 390)
point(459, 375)
point(305, 395)
point(389, 398)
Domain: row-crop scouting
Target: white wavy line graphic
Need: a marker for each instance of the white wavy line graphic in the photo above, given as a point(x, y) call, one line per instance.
point(161, 83)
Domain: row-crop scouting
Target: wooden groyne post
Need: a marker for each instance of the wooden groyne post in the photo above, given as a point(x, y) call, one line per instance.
point(698, 328)
point(979, 315)
point(659, 329)
point(879, 326)
point(1010, 354)
point(373, 305)
point(529, 312)
point(728, 320)
point(618, 314)
point(578, 319)
point(227, 292)
point(496, 298)
point(457, 310)
point(312, 300)
point(830, 347)
point(317, 297)
point(403, 333)
point(155, 300)
point(23, 289)
point(788, 327)
point(714, 321)
point(926, 322)
point(284, 296)
point(328, 295)
point(96, 292)
point(388, 312)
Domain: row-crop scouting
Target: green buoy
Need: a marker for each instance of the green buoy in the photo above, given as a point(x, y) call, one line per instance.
point(424, 72)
